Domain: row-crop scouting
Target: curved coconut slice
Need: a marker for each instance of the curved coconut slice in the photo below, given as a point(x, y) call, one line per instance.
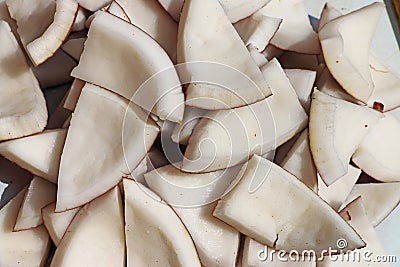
point(152, 19)
point(332, 144)
point(349, 63)
point(117, 10)
point(173, 7)
point(379, 199)
point(93, 5)
point(282, 212)
point(228, 137)
point(299, 162)
point(57, 223)
point(44, 47)
point(295, 32)
point(74, 47)
point(257, 30)
point(154, 233)
point(327, 84)
point(56, 70)
point(256, 254)
point(182, 132)
point(95, 237)
point(221, 81)
point(379, 153)
point(25, 248)
point(39, 194)
point(258, 57)
point(122, 42)
point(386, 94)
point(182, 189)
point(336, 193)
point(73, 94)
point(22, 104)
point(302, 82)
point(40, 154)
point(355, 215)
point(108, 132)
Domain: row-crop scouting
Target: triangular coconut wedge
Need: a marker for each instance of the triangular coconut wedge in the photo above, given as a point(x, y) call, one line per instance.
point(26, 248)
point(40, 154)
point(379, 153)
point(379, 199)
point(220, 80)
point(150, 223)
point(257, 30)
point(228, 137)
point(256, 254)
point(74, 47)
point(50, 41)
point(336, 193)
point(355, 214)
point(119, 40)
point(23, 107)
point(331, 140)
point(190, 195)
point(57, 223)
point(182, 132)
point(386, 94)
point(108, 132)
point(302, 82)
point(40, 193)
point(93, 5)
point(345, 58)
point(282, 212)
point(73, 94)
point(295, 32)
point(117, 10)
point(299, 162)
point(95, 237)
point(182, 189)
point(152, 19)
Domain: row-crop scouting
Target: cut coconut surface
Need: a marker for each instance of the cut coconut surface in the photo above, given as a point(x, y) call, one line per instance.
point(257, 30)
point(95, 237)
point(256, 254)
point(25, 248)
point(345, 58)
point(379, 153)
point(331, 140)
point(217, 80)
point(182, 189)
point(302, 82)
point(355, 214)
point(152, 19)
point(40, 193)
point(295, 32)
point(282, 212)
point(379, 199)
point(258, 57)
point(182, 132)
point(57, 223)
point(74, 47)
point(336, 193)
point(22, 105)
point(93, 5)
point(135, 67)
point(108, 132)
point(117, 10)
point(56, 70)
point(228, 137)
point(50, 41)
point(73, 94)
point(387, 85)
point(154, 233)
point(299, 162)
point(328, 14)
point(40, 154)
point(173, 7)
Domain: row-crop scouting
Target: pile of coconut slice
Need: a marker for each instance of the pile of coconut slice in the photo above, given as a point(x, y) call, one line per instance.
point(193, 133)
